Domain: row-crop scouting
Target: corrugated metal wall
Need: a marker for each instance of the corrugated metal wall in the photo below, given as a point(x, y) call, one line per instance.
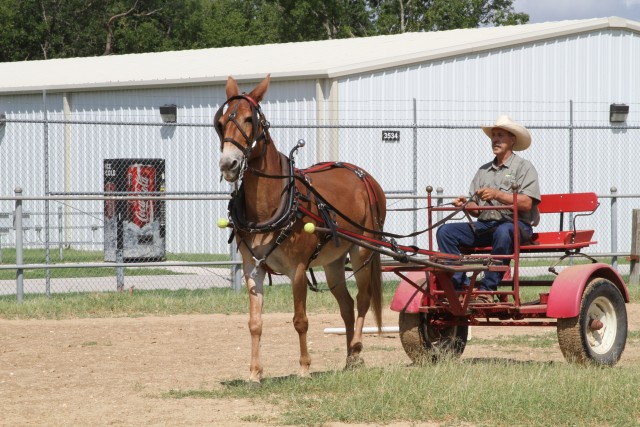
point(534, 83)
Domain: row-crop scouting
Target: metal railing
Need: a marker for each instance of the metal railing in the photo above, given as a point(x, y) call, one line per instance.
point(234, 264)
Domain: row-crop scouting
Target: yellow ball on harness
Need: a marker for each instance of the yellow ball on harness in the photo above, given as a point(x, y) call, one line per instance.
point(223, 222)
point(309, 227)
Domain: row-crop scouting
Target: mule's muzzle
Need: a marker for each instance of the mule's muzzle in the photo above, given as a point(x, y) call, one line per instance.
point(229, 168)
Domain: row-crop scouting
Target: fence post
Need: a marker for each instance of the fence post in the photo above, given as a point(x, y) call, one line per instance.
point(439, 201)
point(60, 254)
point(415, 170)
point(614, 227)
point(17, 224)
point(236, 270)
point(119, 270)
point(634, 268)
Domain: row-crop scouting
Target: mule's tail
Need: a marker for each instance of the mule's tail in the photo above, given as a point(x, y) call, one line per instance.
point(375, 270)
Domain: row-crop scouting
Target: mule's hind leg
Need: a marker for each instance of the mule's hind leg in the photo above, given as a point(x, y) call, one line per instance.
point(369, 290)
point(336, 282)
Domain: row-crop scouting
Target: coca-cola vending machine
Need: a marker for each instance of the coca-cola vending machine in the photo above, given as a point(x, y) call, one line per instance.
point(136, 227)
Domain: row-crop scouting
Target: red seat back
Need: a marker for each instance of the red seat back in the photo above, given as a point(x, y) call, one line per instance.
point(568, 202)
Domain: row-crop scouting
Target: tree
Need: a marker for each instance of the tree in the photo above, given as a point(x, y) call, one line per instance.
point(43, 29)
point(399, 16)
point(119, 14)
point(320, 19)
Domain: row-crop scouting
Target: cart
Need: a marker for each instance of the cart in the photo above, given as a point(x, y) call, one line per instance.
point(584, 301)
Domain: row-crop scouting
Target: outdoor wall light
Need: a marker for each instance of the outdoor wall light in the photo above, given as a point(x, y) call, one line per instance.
point(618, 113)
point(169, 113)
point(3, 119)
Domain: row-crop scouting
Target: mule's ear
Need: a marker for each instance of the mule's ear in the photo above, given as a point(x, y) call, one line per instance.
point(232, 87)
point(258, 93)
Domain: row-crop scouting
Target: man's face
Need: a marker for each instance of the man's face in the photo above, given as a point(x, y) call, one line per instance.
point(502, 141)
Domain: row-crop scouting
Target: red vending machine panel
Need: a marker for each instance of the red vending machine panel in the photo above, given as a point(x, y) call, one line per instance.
point(135, 227)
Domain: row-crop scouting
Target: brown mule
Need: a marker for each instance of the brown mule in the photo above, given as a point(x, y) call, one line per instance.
point(268, 223)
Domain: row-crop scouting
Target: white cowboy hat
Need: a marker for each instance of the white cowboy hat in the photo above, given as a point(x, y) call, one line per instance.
point(523, 137)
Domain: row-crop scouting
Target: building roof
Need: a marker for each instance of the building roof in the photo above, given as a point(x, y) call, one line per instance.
point(314, 59)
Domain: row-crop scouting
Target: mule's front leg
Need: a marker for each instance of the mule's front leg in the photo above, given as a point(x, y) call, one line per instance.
point(300, 320)
point(256, 299)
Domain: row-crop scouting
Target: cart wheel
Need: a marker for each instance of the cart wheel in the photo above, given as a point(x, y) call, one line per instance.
point(599, 333)
point(423, 342)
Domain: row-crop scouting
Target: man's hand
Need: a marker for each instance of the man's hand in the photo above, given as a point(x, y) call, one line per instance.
point(523, 202)
point(488, 194)
point(459, 201)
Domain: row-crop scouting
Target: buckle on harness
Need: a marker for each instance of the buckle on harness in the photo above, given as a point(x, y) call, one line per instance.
point(402, 255)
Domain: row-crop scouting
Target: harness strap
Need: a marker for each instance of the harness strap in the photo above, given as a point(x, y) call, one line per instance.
point(301, 176)
point(380, 232)
point(328, 221)
point(313, 283)
point(257, 118)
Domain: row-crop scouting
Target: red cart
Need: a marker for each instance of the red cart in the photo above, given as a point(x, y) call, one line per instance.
point(586, 302)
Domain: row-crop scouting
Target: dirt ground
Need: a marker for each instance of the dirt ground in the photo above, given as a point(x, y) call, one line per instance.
point(115, 371)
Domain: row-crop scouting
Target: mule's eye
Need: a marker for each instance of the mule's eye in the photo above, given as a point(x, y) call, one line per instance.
point(219, 128)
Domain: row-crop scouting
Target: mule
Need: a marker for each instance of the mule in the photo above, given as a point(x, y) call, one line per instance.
point(269, 210)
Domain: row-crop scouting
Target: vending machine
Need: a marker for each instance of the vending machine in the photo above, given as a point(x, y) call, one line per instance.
point(134, 227)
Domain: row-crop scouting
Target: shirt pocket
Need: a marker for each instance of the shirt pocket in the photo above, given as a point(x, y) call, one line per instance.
point(506, 182)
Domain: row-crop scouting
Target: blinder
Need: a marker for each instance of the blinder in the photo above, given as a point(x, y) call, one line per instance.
point(257, 119)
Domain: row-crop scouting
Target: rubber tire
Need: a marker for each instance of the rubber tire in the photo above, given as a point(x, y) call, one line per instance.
point(419, 339)
point(601, 299)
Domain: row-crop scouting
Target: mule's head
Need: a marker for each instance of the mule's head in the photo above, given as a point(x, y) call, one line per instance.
point(241, 126)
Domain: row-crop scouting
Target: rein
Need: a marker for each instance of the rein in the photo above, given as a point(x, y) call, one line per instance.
point(290, 209)
point(302, 179)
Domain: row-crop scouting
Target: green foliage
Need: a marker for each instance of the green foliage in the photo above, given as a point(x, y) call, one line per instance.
point(399, 16)
point(44, 29)
point(320, 19)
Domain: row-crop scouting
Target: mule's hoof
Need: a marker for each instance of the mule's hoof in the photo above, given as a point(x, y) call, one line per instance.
point(354, 362)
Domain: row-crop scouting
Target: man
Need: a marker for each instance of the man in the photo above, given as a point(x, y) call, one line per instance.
point(492, 185)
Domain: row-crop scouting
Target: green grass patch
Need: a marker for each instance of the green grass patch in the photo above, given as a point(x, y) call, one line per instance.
point(201, 301)
point(475, 392)
point(278, 299)
point(547, 340)
point(37, 256)
point(66, 273)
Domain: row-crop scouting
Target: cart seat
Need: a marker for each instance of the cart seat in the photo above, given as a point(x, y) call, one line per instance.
point(581, 204)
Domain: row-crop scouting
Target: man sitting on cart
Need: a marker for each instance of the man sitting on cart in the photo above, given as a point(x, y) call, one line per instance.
point(492, 185)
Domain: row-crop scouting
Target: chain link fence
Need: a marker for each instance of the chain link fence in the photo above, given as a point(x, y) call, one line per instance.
point(77, 177)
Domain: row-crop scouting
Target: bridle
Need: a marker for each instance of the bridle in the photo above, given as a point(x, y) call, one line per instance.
point(286, 215)
point(258, 121)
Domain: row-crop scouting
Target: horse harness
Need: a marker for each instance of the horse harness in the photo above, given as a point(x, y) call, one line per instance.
point(290, 209)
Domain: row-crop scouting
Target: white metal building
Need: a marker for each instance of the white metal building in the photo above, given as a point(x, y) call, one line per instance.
point(563, 74)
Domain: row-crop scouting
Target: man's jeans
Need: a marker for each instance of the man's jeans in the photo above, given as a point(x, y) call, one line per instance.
point(498, 235)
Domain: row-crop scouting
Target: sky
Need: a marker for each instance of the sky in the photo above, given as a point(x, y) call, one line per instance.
point(560, 10)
